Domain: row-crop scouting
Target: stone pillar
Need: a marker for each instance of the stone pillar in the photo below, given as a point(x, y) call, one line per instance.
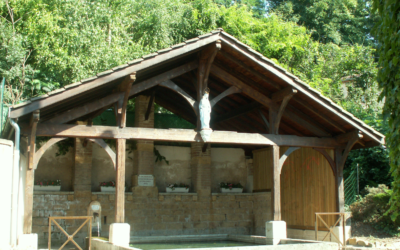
point(82, 175)
point(83, 168)
point(144, 153)
point(201, 169)
point(250, 181)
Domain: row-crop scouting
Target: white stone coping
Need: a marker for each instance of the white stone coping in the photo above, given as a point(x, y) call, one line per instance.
point(175, 194)
point(231, 194)
point(53, 192)
point(130, 193)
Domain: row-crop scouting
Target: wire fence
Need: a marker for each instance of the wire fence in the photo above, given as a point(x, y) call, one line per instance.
point(351, 188)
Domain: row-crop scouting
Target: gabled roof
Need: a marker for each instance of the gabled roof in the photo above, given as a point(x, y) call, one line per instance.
point(308, 113)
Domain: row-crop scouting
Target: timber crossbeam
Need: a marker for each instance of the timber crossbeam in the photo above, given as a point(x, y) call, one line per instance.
point(178, 135)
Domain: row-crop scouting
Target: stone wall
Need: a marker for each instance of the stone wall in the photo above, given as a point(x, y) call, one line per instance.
point(177, 170)
point(167, 214)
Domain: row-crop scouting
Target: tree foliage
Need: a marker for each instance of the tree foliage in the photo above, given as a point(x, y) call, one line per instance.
point(387, 31)
point(47, 44)
point(337, 21)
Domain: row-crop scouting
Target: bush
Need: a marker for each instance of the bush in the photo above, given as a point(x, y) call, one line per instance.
point(373, 209)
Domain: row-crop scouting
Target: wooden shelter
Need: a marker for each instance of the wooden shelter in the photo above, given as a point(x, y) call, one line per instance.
point(256, 105)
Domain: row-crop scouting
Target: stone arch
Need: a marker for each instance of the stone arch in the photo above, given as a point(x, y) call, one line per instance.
point(52, 141)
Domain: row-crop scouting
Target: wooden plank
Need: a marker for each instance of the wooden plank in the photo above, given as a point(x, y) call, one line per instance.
point(178, 135)
point(120, 182)
point(112, 98)
point(161, 58)
point(276, 184)
point(231, 90)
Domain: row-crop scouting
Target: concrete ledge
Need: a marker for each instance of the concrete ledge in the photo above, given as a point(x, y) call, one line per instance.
point(178, 238)
point(98, 244)
point(253, 239)
point(231, 194)
point(52, 192)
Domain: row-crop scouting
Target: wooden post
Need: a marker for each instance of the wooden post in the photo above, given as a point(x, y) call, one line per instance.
point(339, 181)
point(30, 175)
point(276, 184)
point(28, 206)
point(120, 182)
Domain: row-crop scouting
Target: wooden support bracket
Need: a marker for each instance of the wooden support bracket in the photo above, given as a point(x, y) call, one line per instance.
point(350, 139)
point(275, 116)
point(229, 91)
point(266, 123)
point(172, 86)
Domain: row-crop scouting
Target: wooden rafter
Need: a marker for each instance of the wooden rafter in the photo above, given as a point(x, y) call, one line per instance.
point(178, 135)
point(172, 86)
point(229, 91)
point(264, 100)
point(91, 107)
point(277, 86)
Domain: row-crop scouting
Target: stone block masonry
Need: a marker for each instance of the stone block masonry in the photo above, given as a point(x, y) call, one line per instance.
point(167, 214)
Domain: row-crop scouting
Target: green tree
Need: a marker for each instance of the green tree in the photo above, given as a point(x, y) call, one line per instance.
point(387, 31)
point(337, 21)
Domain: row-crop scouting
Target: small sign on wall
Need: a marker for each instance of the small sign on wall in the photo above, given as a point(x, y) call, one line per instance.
point(146, 180)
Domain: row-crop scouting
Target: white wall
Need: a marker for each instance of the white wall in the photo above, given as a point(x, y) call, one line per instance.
point(6, 156)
